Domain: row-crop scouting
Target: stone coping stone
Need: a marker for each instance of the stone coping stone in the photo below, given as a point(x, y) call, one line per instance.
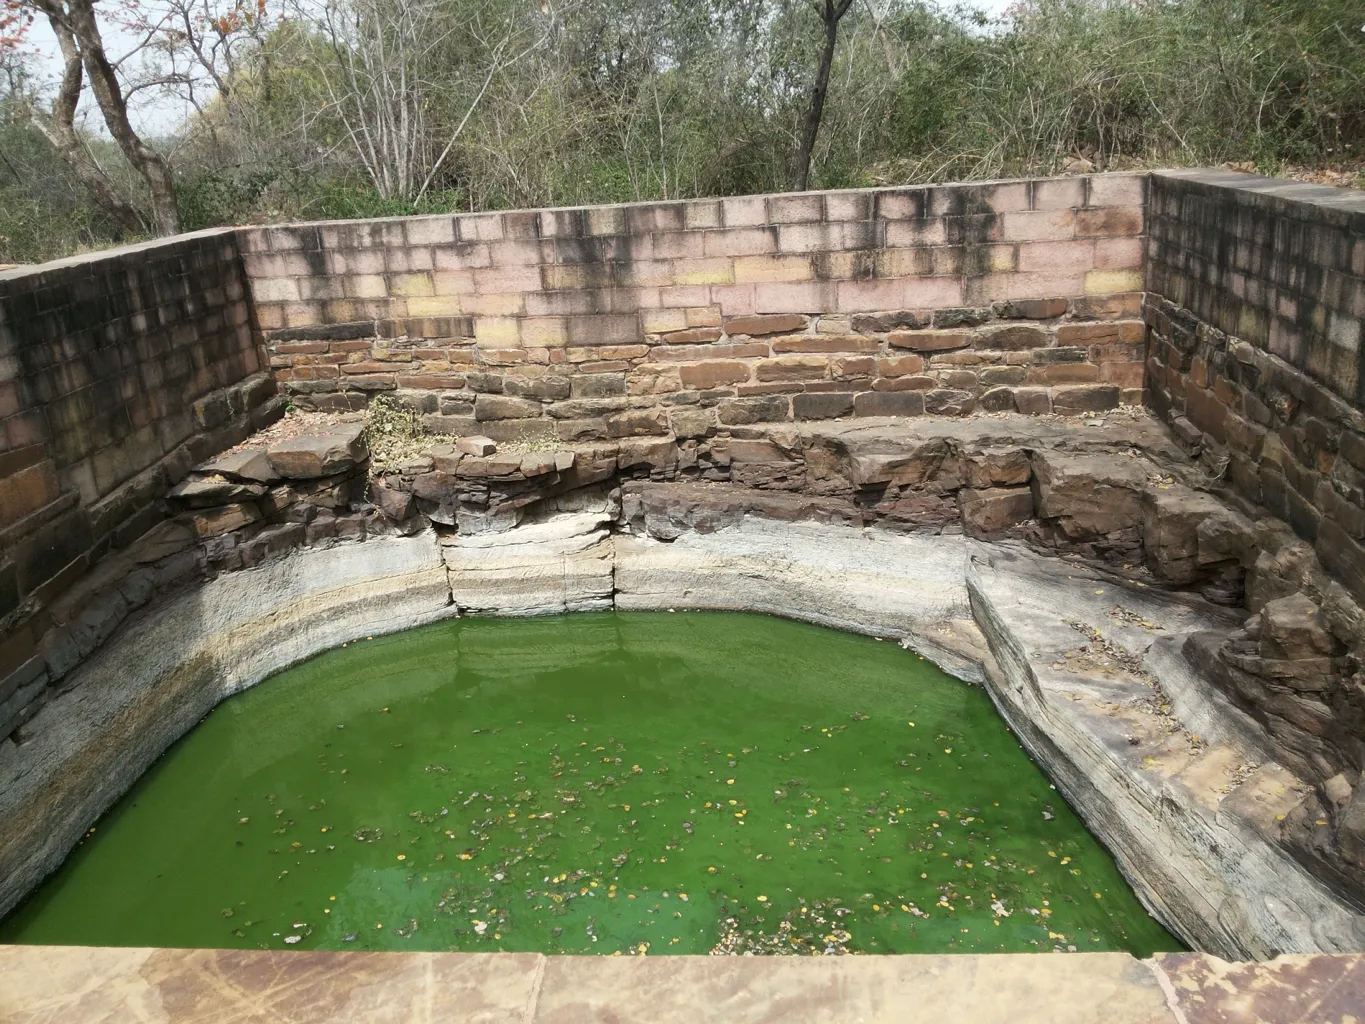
point(83, 985)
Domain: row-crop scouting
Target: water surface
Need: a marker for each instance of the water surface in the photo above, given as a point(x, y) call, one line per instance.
point(605, 783)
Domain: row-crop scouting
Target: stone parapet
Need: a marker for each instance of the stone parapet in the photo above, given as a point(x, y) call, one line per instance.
point(944, 299)
point(118, 371)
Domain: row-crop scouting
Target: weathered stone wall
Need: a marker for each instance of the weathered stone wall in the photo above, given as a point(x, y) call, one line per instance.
point(670, 317)
point(1255, 303)
point(118, 372)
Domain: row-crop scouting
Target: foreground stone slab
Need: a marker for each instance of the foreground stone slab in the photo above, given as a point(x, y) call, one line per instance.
point(1162, 768)
point(94, 985)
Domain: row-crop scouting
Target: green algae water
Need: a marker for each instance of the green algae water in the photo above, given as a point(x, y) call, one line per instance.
point(605, 783)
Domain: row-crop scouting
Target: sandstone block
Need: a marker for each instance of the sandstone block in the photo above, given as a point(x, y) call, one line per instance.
point(822, 406)
point(688, 423)
point(948, 402)
point(546, 389)
point(880, 323)
point(476, 445)
point(777, 323)
point(249, 464)
point(755, 409)
point(1170, 531)
point(988, 513)
point(929, 341)
point(825, 343)
point(889, 403)
point(703, 376)
point(395, 504)
point(501, 407)
point(598, 385)
point(1093, 495)
point(1293, 628)
point(204, 492)
point(1064, 373)
point(635, 422)
point(692, 336)
point(792, 368)
point(1012, 338)
point(918, 382)
point(211, 522)
point(299, 458)
point(997, 400)
point(1029, 309)
point(900, 366)
point(1092, 398)
point(586, 408)
point(656, 454)
point(999, 376)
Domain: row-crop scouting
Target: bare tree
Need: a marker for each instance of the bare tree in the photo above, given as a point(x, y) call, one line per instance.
point(59, 128)
point(830, 11)
point(383, 81)
point(78, 33)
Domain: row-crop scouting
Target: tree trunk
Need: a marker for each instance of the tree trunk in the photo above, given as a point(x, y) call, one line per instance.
point(60, 131)
point(78, 17)
point(801, 165)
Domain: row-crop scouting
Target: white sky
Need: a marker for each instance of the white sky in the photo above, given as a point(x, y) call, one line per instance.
point(157, 113)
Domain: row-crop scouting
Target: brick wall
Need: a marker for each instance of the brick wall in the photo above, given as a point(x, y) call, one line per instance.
point(1256, 300)
point(645, 318)
point(118, 371)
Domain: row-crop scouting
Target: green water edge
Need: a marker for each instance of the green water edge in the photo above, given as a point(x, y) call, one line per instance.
point(598, 783)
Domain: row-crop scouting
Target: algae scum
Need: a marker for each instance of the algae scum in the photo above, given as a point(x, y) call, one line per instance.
point(606, 783)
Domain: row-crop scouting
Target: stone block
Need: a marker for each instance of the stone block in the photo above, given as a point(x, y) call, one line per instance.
point(1092, 495)
point(929, 341)
point(1064, 373)
point(1029, 309)
point(1294, 628)
point(893, 403)
point(476, 445)
point(320, 455)
point(703, 376)
point(636, 422)
point(1082, 399)
point(822, 406)
point(792, 368)
point(201, 492)
point(501, 407)
point(755, 409)
point(689, 423)
point(948, 402)
point(998, 399)
point(880, 323)
point(825, 343)
point(251, 464)
point(777, 323)
point(211, 522)
point(598, 385)
point(1012, 338)
point(990, 512)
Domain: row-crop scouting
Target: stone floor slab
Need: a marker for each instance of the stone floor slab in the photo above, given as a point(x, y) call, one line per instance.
point(1095, 988)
